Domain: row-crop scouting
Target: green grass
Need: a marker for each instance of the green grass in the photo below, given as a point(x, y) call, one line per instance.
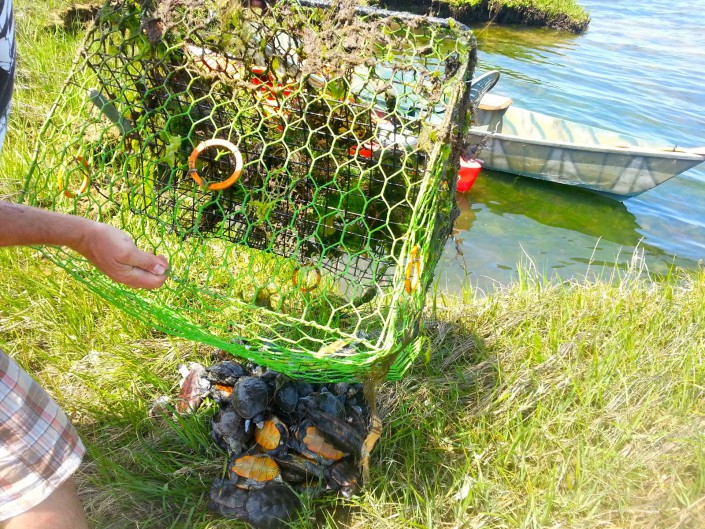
point(574, 405)
point(552, 8)
point(559, 14)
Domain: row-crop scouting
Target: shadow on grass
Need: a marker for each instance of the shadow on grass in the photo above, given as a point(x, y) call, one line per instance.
point(426, 446)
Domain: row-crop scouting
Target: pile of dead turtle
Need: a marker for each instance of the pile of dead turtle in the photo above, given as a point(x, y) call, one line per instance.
point(283, 438)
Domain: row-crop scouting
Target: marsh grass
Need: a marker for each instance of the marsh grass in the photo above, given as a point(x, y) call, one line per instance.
point(543, 404)
point(558, 14)
point(540, 405)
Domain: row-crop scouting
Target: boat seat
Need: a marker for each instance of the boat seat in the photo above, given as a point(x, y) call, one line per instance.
point(494, 102)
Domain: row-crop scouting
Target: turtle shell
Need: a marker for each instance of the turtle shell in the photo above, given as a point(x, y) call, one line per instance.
point(250, 397)
point(337, 431)
point(226, 373)
point(270, 507)
point(272, 436)
point(228, 431)
point(296, 468)
point(343, 476)
point(310, 443)
point(287, 397)
point(255, 471)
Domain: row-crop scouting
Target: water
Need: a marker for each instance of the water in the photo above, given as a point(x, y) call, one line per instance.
point(639, 69)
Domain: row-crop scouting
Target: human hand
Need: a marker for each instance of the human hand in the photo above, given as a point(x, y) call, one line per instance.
point(115, 254)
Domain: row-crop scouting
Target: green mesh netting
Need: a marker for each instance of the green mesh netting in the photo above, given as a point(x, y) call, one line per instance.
point(297, 167)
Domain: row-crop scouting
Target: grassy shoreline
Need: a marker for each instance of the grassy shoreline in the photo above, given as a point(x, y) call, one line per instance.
point(565, 15)
point(572, 405)
point(541, 405)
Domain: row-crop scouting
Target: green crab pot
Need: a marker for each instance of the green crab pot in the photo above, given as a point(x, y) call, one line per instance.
point(296, 166)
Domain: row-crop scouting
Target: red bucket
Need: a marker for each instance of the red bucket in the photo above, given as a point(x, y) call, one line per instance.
point(469, 169)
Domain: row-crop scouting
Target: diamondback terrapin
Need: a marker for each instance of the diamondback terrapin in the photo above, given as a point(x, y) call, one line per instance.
point(337, 431)
point(254, 472)
point(272, 437)
point(330, 403)
point(356, 417)
point(250, 397)
point(228, 431)
point(271, 507)
point(286, 397)
point(340, 388)
point(344, 477)
point(226, 373)
point(308, 441)
point(296, 468)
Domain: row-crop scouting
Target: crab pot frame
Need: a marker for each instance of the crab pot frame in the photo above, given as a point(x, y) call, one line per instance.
point(297, 168)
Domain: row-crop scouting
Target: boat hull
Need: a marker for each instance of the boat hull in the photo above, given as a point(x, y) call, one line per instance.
point(526, 143)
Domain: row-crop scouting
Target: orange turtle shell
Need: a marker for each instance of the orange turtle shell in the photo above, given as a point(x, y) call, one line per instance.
point(317, 444)
point(272, 434)
point(259, 468)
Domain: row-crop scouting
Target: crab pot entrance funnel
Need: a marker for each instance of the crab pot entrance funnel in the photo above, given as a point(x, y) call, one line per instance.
point(289, 164)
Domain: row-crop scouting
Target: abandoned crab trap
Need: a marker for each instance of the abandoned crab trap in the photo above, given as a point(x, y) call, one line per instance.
point(296, 166)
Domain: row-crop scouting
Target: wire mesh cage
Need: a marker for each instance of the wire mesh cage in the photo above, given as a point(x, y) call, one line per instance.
point(296, 165)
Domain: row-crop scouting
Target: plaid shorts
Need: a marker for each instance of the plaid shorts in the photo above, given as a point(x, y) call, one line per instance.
point(39, 449)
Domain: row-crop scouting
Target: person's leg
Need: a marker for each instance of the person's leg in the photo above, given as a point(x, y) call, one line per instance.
point(39, 453)
point(61, 510)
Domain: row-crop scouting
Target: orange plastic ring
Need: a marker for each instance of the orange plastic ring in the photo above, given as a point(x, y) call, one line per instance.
point(215, 186)
point(295, 280)
point(411, 284)
point(84, 184)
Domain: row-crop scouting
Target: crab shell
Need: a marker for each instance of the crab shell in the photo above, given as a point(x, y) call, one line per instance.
point(272, 437)
point(254, 472)
point(193, 388)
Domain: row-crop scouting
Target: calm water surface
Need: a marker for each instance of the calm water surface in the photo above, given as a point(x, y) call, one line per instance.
point(639, 69)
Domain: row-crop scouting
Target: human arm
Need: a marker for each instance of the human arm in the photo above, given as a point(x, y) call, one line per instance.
point(111, 250)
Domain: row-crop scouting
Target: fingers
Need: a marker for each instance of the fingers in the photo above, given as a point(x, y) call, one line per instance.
point(145, 270)
point(155, 264)
point(139, 278)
